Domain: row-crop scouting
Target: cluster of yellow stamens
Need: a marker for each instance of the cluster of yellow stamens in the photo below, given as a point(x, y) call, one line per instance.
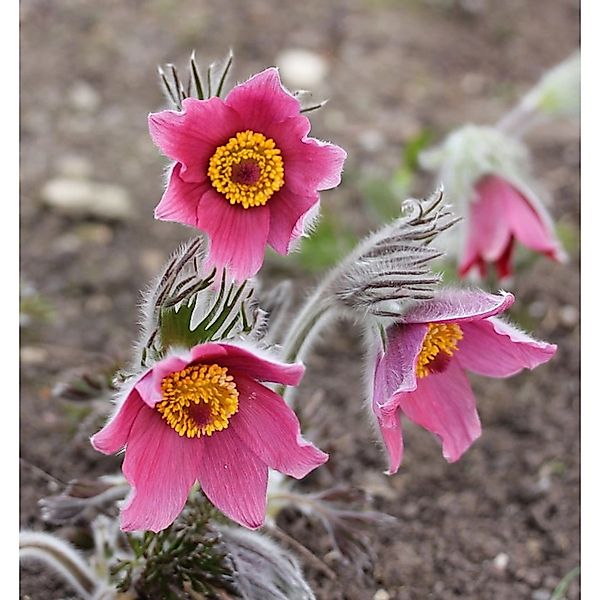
point(439, 344)
point(247, 170)
point(198, 400)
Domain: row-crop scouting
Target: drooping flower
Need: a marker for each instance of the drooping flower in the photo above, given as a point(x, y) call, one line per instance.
point(204, 415)
point(245, 171)
point(421, 374)
point(499, 215)
point(486, 177)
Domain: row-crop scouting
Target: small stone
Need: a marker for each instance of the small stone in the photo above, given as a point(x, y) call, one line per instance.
point(84, 97)
point(501, 562)
point(569, 315)
point(381, 594)
point(77, 167)
point(302, 68)
point(541, 595)
point(76, 197)
point(33, 355)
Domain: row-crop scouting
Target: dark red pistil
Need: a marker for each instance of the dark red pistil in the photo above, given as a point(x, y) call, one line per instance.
point(246, 172)
point(440, 363)
point(200, 413)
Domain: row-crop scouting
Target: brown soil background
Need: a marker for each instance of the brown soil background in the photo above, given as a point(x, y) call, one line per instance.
point(395, 67)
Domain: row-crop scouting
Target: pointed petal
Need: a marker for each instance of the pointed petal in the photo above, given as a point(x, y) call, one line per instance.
point(497, 349)
point(395, 370)
point(191, 136)
point(262, 100)
point(391, 433)
point(181, 200)
point(287, 214)
point(114, 435)
point(234, 479)
point(444, 404)
point(238, 236)
point(149, 385)
point(526, 223)
point(161, 467)
point(489, 231)
point(269, 427)
point(309, 163)
point(458, 305)
point(259, 365)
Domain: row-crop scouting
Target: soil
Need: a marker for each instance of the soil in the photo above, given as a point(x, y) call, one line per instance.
point(503, 522)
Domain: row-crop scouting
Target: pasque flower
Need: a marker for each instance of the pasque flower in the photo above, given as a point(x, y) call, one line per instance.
point(204, 415)
point(421, 372)
point(486, 177)
point(245, 171)
point(500, 214)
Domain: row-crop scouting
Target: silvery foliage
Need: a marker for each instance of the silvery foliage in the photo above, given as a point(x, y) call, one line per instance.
point(88, 577)
point(392, 266)
point(262, 568)
point(197, 303)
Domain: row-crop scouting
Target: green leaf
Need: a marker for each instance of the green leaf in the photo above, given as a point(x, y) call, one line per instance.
point(175, 327)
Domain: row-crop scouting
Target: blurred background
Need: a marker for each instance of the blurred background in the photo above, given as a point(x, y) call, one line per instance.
point(399, 75)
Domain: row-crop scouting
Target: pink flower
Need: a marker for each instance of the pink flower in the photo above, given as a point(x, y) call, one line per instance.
point(499, 214)
point(245, 171)
point(204, 416)
point(421, 374)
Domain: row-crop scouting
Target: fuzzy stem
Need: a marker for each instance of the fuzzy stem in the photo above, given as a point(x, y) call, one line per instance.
point(62, 558)
point(310, 317)
point(520, 120)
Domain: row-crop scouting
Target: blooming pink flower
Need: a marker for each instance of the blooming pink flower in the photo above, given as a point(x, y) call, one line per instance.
point(203, 415)
point(245, 171)
point(500, 214)
point(421, 373)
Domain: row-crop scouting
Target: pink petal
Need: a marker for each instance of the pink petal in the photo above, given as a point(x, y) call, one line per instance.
point(114, 435)
point(527, 226)
point(161, 467)
point(309, 164)
point(181, 201)
point(391, 433)
point(238, 236)
point(149, 385)
point(234, 479)
point(260, 366)
point(191, 136)
point(287, 213)
point(261, 101)
point(395, 370)
point(271, 430)
point(458, 305)
point(489, 232)
point(499, 213)
point(494, 348)
point(443, 403)
point(395, 373)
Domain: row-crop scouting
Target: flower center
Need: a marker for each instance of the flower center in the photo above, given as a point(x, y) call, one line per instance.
point(247, 170)
point(198, 400)
point(439, 345)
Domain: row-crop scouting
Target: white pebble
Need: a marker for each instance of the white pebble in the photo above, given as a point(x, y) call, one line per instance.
point(302, 68)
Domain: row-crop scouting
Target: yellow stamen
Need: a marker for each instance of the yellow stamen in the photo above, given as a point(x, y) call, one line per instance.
point(198, 400)
point(247, 170)
point(440, 337)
